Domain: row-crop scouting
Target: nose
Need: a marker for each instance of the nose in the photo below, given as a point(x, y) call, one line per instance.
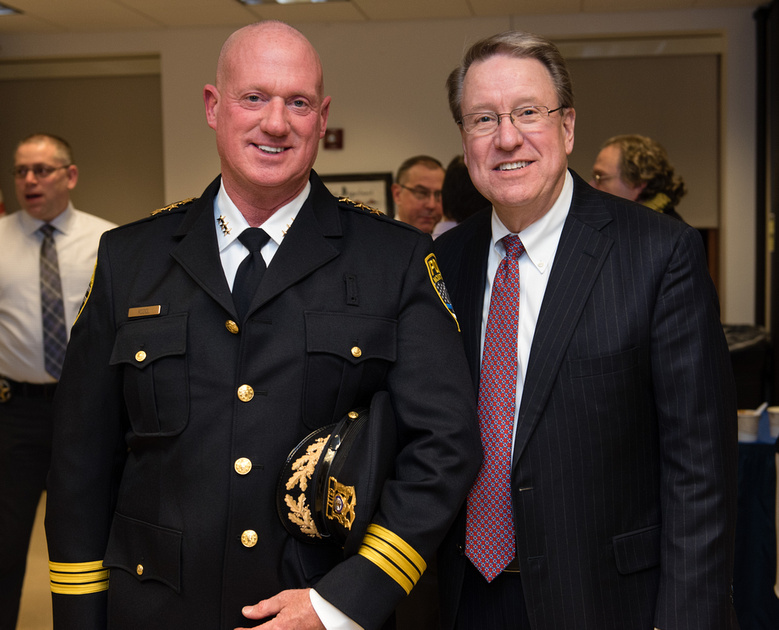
point(275, 119)
point(431, 202)
point(507, 136)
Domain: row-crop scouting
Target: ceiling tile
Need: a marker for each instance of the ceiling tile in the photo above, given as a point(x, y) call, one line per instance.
point(84, 15)
point(597, 6)
point(45, 16)
point(25, 24)
point(185, 13)
point(524, 7)
point(319, 12)
point(413, 9)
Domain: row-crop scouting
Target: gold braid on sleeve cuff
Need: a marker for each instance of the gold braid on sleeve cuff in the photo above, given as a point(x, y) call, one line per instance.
point(393, 555)
point(78, 578)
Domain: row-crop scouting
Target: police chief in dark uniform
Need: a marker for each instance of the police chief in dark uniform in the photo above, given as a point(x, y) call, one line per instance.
point(176, 411)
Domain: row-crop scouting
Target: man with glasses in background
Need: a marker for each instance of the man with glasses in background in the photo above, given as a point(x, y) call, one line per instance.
point(417, 192)
point(606, 403)
point(47, 254)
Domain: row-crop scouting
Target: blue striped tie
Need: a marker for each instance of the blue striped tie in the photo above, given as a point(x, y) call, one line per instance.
point(55, 334)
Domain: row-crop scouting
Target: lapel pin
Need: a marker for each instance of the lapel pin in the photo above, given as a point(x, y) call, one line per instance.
point(223, 224)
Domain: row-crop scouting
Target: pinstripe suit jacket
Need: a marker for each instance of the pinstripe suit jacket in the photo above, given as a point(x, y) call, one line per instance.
point(625, 459)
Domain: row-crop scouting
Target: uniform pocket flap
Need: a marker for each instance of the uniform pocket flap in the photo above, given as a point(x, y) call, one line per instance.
point(352, 337)
point(638, 550)
point(143, 341)
point(149, 552)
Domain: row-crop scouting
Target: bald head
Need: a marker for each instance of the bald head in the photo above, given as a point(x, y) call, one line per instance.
point(269, 112)
point(271, 33)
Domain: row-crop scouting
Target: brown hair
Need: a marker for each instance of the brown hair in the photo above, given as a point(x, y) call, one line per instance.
point(515, 44)
point(425, 160)
point(64, 150)
point(645, 161)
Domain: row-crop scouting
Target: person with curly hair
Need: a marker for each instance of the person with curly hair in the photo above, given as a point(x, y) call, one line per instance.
point(637, 168)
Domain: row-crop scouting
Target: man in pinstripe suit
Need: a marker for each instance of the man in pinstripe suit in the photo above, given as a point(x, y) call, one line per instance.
point(621, 477)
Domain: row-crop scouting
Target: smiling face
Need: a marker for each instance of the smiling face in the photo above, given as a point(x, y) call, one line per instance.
point(44, 198)
point(268, 113)
point(520, 172)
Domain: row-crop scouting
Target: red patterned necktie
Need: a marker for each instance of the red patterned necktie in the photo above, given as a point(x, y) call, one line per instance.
point(489, 534)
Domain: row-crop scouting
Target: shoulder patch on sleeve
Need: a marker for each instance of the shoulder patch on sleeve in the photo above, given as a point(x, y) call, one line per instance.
point(173, 206)
point(88, 293)
point(437, 280)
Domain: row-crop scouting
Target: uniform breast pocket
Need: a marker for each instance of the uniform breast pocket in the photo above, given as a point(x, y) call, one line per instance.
point(156, 379)
point(347, 358)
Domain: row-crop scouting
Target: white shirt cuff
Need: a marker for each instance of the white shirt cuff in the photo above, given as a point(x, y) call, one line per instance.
point(329, 615)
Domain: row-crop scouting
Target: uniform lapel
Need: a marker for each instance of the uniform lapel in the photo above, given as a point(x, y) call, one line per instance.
point(580, 256)
point(198, 250)
point(311, 241)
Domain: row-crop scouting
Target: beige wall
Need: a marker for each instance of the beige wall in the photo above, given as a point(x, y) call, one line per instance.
point(113, 124)
point(378, 72)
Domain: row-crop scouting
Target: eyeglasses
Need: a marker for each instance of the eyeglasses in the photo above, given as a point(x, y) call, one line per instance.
point(523, 118)
point(41, 171)
point(423, 194)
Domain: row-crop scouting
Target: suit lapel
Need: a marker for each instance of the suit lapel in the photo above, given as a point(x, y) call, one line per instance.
point(470, 290)
point(582, 250)
point(198, 251)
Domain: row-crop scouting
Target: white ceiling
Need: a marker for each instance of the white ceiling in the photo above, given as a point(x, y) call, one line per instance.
point(53, 16)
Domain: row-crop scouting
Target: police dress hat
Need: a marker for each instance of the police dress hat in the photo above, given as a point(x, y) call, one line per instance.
point(330, 485)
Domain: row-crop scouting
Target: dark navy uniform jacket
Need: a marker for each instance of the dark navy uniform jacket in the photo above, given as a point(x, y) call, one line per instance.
point(164, 390)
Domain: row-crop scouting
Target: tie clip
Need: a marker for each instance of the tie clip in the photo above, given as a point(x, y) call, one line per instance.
point(144, 311)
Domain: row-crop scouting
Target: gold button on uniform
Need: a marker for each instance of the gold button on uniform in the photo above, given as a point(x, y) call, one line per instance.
point(245, 393)
point(139, 569)
point(243, 465)
point(140, 356)
point(356, 352)
point(353, 414)
point(249, 538)
point(232, 326)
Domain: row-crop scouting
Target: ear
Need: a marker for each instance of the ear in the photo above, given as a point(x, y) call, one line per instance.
point(636, 191)
point(72, 176)
point(211, 100)
point(569, 121)
point(396, 192)
point(465, 146)
point(324, 112)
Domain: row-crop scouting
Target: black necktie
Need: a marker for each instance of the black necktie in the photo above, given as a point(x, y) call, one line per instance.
point(251, 269)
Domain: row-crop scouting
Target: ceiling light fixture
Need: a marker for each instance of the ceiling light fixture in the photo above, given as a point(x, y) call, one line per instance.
point(6, 10)
point(258, 2)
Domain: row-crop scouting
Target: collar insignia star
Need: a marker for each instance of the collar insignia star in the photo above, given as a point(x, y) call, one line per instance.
point(223, 224)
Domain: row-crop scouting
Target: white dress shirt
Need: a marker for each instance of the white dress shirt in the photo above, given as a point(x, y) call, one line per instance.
point(232, 252)
point(76, 238)
point(540, 240)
